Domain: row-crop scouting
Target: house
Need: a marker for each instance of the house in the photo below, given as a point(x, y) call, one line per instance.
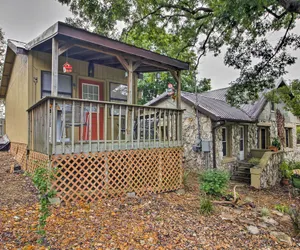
point(229, 134)
point(71, 103)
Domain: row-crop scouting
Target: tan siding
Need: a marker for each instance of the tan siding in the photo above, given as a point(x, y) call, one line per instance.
point(42, 62)
point(17, 101)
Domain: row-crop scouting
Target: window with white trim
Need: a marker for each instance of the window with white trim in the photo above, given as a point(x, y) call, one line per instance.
point(90, 91)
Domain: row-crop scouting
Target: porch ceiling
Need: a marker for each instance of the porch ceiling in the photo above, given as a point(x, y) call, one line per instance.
point(83, 45)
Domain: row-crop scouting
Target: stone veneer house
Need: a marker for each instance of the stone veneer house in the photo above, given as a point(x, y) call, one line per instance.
point(231, 134)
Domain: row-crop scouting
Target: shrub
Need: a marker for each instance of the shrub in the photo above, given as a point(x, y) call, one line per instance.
point(282, 208)
point(265, 211)
point(254, 161)
point(214, 182)
point(206, 206)
point(286, 170)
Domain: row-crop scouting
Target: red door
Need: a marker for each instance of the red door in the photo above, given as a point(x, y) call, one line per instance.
point(92, 90)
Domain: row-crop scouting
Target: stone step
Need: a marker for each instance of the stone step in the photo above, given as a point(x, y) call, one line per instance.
point(238, 172)
point(241, 179)
point(245, 164)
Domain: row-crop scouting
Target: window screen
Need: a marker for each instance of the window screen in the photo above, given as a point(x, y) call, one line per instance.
point(64, 84)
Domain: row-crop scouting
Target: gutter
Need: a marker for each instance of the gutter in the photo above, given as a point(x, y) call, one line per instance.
point(214, 128)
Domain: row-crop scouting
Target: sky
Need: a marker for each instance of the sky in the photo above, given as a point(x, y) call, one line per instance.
point(24, 20)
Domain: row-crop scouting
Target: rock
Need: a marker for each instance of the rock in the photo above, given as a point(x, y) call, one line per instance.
point(180, 191)
point(54, 201)
point(237, 211)
point(285, 218)
point(17, 218)
point(227, 217)
point(282, 237)
point(253, 229)
point(247, 221)
point(270, 221)
point(277, 213)
point(262, 224)
point(131, 195)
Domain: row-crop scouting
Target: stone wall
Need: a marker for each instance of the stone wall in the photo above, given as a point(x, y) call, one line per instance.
point(267, 173)
point(197, 160)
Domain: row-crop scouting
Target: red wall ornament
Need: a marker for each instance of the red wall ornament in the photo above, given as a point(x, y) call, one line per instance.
point(67, 68)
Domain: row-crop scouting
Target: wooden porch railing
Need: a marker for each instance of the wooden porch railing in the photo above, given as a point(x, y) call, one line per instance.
point(60, 125)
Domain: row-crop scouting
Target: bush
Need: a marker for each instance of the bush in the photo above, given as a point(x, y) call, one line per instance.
point(214, 182)
point(206, 206)
point(286, 170)
point(254, 161)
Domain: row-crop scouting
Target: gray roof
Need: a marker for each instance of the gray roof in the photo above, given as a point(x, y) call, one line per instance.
point(213, 103)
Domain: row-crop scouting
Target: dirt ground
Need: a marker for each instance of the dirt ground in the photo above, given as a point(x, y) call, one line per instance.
point(162, 221)
point(15, 189)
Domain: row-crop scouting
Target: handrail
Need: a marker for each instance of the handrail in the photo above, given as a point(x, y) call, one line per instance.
point(96, 102)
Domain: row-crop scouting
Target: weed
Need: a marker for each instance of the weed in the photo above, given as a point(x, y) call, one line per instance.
point(248, 199)
point(265, 211)
point(254, 161)
point(282, 208)
point(206, 206)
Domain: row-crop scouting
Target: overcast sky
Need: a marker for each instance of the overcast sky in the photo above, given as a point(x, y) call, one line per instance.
point(23, 20)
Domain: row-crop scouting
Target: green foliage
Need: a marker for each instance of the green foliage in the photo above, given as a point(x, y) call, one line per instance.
point(254, 160)
point(286, 171)
point(282, 208)
point(289, 95)
point(265, 211)
point(188, 30)
point(206, 206)
point(42, 178)
point(214, 182)
point(2, 51)
point(276, 143)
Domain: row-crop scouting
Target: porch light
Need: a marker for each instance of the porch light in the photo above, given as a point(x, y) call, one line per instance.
point(67, 68)
point(126, 74)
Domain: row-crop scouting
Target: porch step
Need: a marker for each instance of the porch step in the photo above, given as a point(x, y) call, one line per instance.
point(242, 172)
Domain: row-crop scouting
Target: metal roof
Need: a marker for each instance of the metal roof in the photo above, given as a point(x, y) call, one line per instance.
point(213, 103)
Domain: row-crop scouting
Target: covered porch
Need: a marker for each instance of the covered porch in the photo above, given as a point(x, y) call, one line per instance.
point(96, 115)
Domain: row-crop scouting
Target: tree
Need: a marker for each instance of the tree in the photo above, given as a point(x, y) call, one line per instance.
point(289, 95)
point(199, 26)
point(2, 51)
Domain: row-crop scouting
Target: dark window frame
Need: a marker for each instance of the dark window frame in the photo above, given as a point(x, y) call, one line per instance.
point(288, 137)
point(58, 92)
point(225, 154)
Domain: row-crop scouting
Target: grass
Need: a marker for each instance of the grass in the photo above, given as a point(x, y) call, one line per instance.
point(265, 211)
point(206, 206)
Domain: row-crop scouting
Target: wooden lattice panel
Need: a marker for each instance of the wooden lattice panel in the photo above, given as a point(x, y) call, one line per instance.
point(19, 150)
point(36, 159)
point(89, 177)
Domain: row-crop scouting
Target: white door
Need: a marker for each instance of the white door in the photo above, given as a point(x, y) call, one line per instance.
point(242, 144)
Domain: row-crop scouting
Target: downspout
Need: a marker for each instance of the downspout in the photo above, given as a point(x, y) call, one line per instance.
point(214, 128)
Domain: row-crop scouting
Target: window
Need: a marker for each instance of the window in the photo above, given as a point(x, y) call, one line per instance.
point(263, 137)
point(224, 141)
point(118, 93)
point(90, 92)
point(64, 84)
point(288, 137)
point(272, 106)
point(298, 133)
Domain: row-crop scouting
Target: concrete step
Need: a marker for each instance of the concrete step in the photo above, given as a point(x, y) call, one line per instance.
point(238, 172)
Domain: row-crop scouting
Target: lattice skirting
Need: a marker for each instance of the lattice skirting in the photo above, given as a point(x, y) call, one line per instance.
point(36, 159)
point(19, 150)
point(89, 177)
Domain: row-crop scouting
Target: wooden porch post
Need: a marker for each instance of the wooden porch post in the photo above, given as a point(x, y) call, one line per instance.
point(177, 77)
point(54, 81)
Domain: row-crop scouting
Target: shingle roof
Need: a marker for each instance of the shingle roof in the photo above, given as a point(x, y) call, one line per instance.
point(214, 104)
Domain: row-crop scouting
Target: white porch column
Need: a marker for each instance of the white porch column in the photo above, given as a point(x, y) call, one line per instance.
point(54, 81)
